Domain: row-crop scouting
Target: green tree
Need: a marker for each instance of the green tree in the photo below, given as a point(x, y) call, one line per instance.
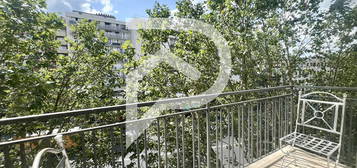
point(268, 41)
point(194, 48)
point(35, 79)
point(335, 43)
point(266, 47)
point(28, 46)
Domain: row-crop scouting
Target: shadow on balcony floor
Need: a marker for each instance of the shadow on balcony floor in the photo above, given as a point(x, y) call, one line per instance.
point(305, 159)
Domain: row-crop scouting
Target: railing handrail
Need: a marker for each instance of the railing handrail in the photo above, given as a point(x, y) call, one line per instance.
point(122, 123)
point(31, 118)
point(46, 116)
point(327, 87)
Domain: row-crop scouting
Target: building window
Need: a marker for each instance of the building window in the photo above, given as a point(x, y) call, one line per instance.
point(63, 47)
point(107, 23)
point(72, 22)
point(60, 38)
point(63, 54)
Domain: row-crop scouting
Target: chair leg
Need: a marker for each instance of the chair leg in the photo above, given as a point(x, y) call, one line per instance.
point(338, 158)
point(294, 161)
point(328, 161)
point(336, 162)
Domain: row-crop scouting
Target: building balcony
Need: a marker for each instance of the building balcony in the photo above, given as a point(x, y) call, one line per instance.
point(61, 33)
point(241, 130)
point(112, 28)
point(62, 50)
point(116, 36)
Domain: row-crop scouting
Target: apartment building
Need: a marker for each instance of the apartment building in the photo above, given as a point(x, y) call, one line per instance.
point(115, 30)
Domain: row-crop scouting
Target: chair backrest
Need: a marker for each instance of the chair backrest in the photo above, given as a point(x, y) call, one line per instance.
point(63, 163)
point(322, 111)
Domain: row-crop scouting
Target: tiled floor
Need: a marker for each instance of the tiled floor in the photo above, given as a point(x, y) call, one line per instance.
point(304, 159)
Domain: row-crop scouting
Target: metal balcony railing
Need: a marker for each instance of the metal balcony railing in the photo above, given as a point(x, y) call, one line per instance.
point(234, 130)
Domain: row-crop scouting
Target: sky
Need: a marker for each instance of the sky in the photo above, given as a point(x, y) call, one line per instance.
point(121, 9)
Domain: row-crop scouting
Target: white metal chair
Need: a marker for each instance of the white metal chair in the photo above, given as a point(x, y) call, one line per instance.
point(325, 116)
point(64, 162)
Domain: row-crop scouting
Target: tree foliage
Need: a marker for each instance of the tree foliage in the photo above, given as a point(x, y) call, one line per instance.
point(270, 42)
point(268, 39)
point(335, 41)
point(35, 79)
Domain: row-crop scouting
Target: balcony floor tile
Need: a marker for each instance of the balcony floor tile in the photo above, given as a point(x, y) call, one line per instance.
point(305, 159)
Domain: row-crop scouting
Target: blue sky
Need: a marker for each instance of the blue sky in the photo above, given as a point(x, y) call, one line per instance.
point(121, 9)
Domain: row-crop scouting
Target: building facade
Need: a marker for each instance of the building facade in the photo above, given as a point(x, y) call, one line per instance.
point(115, 30)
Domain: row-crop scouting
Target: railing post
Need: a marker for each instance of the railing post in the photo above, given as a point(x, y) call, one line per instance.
point(193, 140)
point(217, 143)
point(198, 141)
point(137, 152)
point(113, 144)
point(145, 149)
point(22, 149)
point(84, 154)
point(292, 109)
point(122, 145)
point(158, 140)
point(183, 140)
point(208, 138)
point(356, 160)
point(229, 138)
point(94, 147)
point(165, 142)
point(177, 143)
point(7, 156)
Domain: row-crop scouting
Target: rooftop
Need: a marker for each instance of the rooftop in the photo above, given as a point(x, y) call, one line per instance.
point(98, 14)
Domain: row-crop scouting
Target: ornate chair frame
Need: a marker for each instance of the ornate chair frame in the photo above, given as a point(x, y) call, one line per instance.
point(64, 162)
point(315, 144)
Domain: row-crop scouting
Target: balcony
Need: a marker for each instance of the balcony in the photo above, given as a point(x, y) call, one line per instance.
point(120, 36)
point(113, 27)
point(306, 159)
point(236, 129)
